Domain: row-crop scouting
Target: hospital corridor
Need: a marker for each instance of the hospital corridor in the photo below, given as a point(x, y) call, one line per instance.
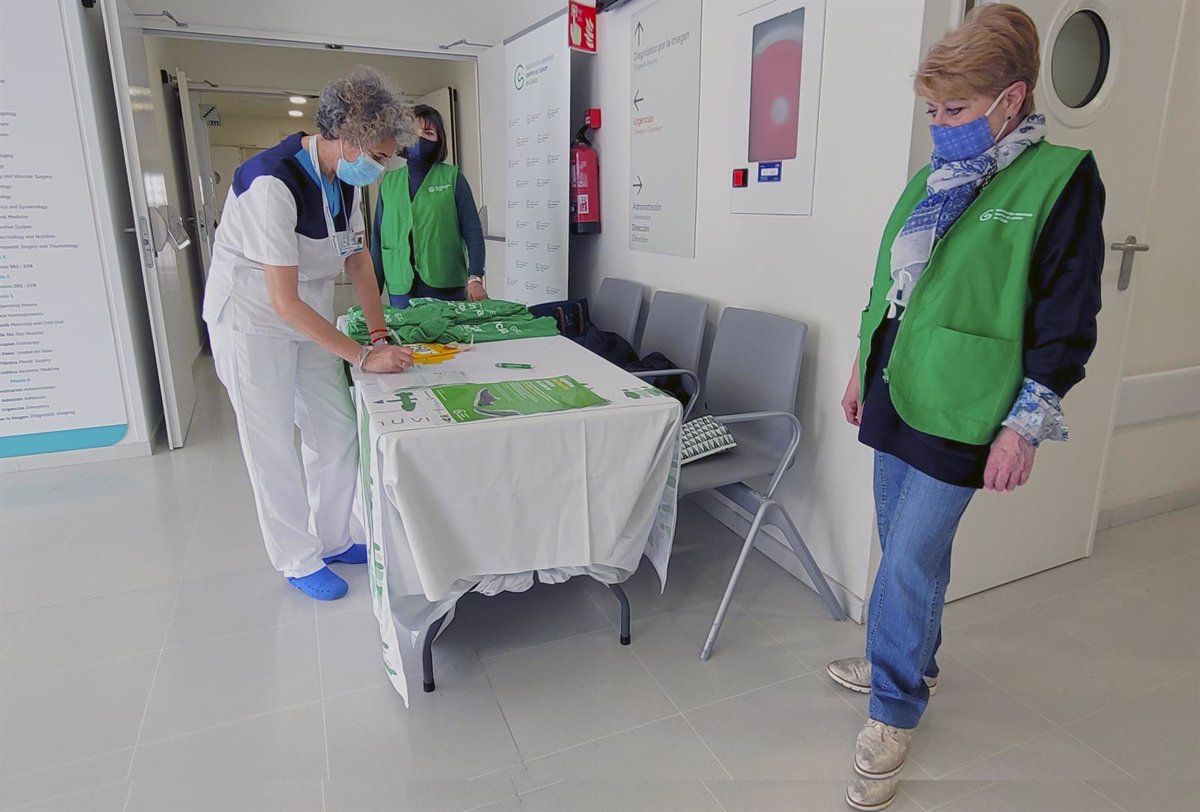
point(624, 405)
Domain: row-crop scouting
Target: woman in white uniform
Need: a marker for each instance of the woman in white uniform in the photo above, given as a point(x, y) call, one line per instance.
point(292, 221)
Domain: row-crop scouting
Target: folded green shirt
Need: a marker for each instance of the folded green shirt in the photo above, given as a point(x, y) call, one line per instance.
point(433, 320)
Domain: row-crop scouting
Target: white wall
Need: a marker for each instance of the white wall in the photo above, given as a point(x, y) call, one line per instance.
point(307, 70)
point(255, 131)
point(940, 17)
point(815, 268)
point(1153, 461)
point(419, 25)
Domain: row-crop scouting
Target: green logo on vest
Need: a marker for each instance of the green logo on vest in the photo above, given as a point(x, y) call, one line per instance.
point(443, 187)
point(1005, 216)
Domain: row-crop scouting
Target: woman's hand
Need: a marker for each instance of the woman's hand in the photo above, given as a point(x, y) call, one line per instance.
point(476, 292)
point(1009, 463)
point(852, 400)
point(388, 358)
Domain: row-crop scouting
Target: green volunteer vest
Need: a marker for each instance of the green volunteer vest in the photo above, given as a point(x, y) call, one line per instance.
point(432, 218)
point(957, 363)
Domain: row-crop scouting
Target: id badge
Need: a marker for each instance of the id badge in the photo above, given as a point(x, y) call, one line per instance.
point(348, 243)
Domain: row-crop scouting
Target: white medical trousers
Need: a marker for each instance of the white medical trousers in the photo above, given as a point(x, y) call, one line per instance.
point(274, 385)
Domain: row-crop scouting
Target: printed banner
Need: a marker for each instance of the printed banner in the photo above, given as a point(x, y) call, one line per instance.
point(60, 381)
point(538, 132)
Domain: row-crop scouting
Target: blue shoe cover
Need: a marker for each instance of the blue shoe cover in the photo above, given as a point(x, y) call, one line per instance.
point(354, 554)
point(324, 585)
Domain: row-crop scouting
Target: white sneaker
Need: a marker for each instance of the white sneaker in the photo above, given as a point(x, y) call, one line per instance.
point(871, 794)
point(881, 750)
point(855, 673)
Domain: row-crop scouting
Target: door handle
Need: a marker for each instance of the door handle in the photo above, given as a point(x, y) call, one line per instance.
point(1128, 248)
point(147, 240)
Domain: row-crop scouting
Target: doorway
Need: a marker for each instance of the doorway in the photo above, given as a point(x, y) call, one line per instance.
point(196, 108)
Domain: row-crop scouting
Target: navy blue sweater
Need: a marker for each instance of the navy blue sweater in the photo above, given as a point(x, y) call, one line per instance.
point(1060, 333)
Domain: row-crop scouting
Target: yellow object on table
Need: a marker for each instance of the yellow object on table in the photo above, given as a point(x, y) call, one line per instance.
point(434, 353)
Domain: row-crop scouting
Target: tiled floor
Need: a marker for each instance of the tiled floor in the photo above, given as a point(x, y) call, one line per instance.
point(150, 659)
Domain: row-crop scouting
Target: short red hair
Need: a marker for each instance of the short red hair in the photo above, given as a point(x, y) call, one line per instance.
point(997, 46)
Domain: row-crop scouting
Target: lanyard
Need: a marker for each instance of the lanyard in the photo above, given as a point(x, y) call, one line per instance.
point(345, 243)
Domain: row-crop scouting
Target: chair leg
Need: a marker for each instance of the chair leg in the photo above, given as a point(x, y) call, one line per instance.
point(624, 599)
point(427, 654)
point(781, 519)
point(727, 599)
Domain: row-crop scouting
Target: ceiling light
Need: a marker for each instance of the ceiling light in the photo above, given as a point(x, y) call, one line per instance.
point(297, 99)
point(295, 113)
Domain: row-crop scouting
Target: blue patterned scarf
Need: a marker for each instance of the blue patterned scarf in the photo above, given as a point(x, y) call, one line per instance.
point(949, 190)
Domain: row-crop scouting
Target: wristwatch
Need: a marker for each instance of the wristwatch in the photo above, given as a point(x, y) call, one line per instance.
point(473, 278)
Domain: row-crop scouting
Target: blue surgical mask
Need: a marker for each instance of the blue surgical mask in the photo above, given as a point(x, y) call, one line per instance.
point(421, 151)
point(362, 171)
point(965, 141)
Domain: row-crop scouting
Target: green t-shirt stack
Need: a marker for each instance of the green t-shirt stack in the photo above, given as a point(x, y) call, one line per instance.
point(434, 320)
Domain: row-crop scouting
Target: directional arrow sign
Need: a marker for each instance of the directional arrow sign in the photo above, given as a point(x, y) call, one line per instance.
point(664, 94)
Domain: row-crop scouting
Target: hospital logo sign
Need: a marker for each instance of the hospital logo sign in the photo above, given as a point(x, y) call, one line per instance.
point(1005, 216)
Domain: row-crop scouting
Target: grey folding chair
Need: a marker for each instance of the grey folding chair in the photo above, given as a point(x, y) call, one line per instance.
point(753, 374)
point(617, 306)
point(675, 327)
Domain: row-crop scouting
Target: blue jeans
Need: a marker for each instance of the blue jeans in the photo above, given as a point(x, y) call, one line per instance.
point(918, 516)
point(422, 291)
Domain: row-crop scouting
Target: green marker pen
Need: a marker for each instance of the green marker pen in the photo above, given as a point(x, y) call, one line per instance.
point(514, 366)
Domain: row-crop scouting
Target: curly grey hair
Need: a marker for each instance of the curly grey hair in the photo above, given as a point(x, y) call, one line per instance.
point(364, 109)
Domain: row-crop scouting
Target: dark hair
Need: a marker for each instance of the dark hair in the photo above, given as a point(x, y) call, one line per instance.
point(430, 115)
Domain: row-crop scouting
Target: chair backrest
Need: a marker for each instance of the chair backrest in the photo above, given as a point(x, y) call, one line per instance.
point(617, 307)
point(675, 327)
point(755, 367)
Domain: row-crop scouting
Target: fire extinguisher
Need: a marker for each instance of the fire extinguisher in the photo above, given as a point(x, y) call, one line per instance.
point(585, 179)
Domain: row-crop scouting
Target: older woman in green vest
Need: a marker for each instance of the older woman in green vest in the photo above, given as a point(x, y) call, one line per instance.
point(428, 241)
point(981, 317)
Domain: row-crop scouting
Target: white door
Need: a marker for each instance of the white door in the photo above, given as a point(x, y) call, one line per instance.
point(1117, 115)
point(200, 171)
point(445, 101)
point(225, 160)
point(160, 233)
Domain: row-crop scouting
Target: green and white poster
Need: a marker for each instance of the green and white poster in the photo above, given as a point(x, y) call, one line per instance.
point(469, 402)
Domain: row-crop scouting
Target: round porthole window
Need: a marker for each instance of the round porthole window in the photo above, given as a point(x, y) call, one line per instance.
point(1080, 59)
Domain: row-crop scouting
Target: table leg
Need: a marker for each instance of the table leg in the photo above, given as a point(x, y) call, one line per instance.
point(620, 593)
point(427, 654)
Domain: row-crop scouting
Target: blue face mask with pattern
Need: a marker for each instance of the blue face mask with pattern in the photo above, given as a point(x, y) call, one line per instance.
point(965, 141)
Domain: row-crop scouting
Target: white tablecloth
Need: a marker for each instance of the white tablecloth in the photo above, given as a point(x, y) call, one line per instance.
point(453, 506)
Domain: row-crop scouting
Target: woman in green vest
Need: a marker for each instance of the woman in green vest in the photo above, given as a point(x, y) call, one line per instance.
point(427, 240)
point(981, 317)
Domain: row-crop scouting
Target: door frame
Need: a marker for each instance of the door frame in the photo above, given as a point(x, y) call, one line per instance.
point(192, 146)
point(176, 421)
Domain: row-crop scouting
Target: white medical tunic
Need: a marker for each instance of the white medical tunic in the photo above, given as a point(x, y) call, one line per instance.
point(276, 215)
point(277, 378)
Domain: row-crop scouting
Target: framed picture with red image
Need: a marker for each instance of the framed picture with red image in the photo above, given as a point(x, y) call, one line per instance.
point(776, 93)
